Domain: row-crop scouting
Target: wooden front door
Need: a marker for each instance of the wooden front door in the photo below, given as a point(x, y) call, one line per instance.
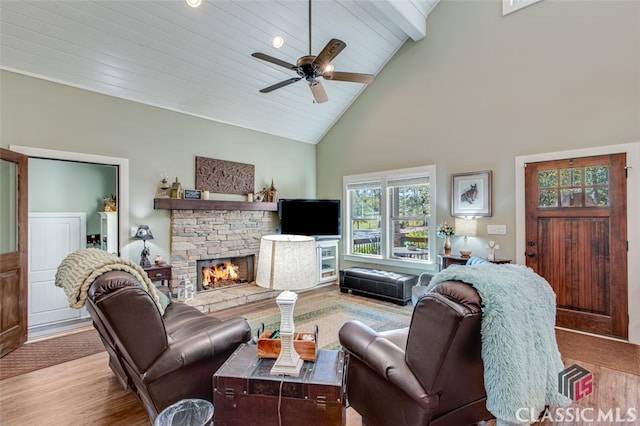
point(13, 250)
point(576, 237)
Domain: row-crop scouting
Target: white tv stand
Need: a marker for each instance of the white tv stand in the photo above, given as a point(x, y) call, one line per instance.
point(327, 257)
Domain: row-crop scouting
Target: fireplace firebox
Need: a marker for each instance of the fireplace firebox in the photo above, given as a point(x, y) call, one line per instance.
point(224, 272)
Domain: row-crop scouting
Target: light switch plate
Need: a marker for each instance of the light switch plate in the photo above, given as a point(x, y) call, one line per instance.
point(497, 229)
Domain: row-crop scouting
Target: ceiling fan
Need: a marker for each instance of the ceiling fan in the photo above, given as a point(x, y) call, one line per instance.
point(311, 68)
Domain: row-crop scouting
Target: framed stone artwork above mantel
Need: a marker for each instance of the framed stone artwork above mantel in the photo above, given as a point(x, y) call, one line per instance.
point(224, 177)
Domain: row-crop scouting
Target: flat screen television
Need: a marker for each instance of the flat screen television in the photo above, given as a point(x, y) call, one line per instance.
point(312, 217)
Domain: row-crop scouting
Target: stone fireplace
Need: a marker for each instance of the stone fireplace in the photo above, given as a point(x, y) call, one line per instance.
point(203, 235)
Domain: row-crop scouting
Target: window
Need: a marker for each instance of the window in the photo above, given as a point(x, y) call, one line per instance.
point(388, 215)
point(586, 186)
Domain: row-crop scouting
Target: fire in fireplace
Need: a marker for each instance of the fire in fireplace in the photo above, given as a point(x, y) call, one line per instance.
point(216, 273)
point(220, 272)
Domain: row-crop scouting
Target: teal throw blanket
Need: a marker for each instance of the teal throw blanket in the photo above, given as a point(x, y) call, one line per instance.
point(519, 348)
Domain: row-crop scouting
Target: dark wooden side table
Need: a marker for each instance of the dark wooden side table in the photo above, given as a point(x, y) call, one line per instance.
point(160, 273)
point(444, 261)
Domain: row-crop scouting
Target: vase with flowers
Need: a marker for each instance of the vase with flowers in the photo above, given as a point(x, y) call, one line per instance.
point(445, 231)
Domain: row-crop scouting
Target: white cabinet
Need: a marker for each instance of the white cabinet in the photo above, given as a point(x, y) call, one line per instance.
point(109, 232)
point(327, 255)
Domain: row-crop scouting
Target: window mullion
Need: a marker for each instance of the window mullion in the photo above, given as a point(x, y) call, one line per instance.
point(399, 213)
point(384, 221)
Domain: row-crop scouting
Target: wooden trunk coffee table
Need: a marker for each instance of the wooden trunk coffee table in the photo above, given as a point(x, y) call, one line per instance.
point(245, 392)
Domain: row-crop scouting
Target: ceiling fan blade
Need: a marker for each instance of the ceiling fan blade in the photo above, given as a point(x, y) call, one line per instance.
point(318, 91)
point(274, 60)
point(349, 76)
point(329, 52)
point(279, 85)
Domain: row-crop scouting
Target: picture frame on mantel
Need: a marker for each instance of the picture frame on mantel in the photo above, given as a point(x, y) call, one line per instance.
point(471, 194)
point(192, 194)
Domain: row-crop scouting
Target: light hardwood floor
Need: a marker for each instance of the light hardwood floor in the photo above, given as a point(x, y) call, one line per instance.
point(79, 392)
point(614, 392)
point(85, 392)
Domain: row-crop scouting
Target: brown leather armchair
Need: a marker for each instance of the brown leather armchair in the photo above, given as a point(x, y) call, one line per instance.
point(162, 359)
point(429, 373)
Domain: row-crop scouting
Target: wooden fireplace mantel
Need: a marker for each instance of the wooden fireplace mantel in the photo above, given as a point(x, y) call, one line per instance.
point(179, 204)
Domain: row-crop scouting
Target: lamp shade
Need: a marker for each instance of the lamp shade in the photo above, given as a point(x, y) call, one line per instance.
point(287, 262)
point(466, 227)
point(144, 233)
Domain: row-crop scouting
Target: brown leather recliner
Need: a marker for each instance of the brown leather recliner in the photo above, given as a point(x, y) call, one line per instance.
point(430, 373)
point(163, 359)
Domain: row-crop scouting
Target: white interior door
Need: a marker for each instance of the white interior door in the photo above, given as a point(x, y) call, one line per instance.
point(52, 236)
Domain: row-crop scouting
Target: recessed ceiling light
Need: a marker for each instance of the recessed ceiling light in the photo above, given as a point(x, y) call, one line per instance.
point(328, 68)
point(277, 42)
point(194, 3)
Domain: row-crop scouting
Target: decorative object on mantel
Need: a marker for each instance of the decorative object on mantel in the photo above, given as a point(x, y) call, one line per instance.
point(272, 193)
point(144, 233)
point(109, 203)
point(224, 177)
point(192, 194)
point(466, 228)
point(176, 190)
point(163, 187)
point(260, 196)
point(445, 231)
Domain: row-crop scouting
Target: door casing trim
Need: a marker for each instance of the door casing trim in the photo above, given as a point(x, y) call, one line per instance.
point(123, 182)
point(633, 210)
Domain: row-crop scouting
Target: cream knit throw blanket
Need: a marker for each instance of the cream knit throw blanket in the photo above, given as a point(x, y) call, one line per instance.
point(80, 268)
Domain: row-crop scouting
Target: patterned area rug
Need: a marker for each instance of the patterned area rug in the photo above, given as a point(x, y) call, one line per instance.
point(330, 312)
point(327, 311)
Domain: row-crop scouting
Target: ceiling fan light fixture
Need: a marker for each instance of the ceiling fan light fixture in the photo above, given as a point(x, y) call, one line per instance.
point(310, 67)
point(194, 3)
point(277, 41)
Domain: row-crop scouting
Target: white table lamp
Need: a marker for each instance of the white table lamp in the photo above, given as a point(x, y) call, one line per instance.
point(465, 228)
point(287, 262)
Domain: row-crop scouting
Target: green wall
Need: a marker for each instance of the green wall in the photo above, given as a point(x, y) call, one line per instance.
point(46, 115)
point(481, 89)
point(64, 186)
point(478, 91)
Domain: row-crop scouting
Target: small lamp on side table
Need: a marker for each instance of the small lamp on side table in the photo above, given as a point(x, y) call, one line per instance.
point(144, 233)
point(465, 228)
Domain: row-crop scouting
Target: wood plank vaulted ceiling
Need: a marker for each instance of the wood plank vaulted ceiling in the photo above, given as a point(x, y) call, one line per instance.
point(198, 60)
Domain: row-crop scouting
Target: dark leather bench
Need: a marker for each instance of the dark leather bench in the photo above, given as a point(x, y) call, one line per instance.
point(393, 286)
